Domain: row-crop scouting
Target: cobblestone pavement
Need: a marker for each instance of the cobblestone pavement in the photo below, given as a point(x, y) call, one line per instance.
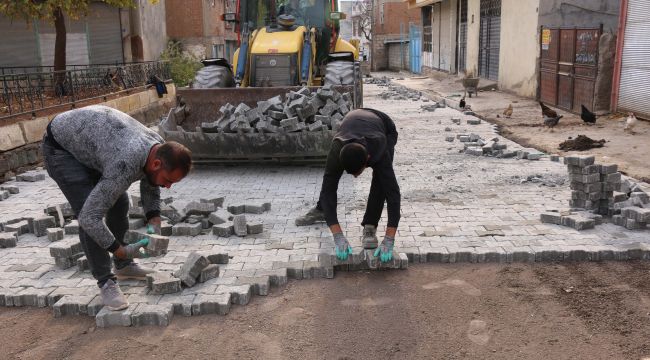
point(455, 208)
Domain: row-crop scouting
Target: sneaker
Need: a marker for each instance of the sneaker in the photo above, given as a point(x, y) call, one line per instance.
point(112, 296)
point(133, 271)
point(312, 216)
point(369, 240)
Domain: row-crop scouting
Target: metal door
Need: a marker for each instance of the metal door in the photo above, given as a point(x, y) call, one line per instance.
point(462, 36)
point(489, 39)
point(568, 69)
point(415, 48)
point(104, 34)
point(634, 88)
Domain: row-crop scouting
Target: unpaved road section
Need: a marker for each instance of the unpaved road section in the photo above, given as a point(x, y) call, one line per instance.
point(563, 311)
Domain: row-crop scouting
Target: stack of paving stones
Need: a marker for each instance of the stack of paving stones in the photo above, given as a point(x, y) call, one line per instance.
point(66, 252)
point(234, 222)
point(398, 92)
point(473, 144)
point(8, 190)
point(301, 110)
point(598, 190)
point(382, 81)
point(61, 212)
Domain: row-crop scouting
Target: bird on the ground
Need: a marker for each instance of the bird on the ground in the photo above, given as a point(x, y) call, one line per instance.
point(508, 112)
point(630, 122)
point(547, 111)
point(587, 116)
point(462, 102)
point(552, 121)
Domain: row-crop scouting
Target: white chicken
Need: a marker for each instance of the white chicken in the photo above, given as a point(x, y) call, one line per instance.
point(630, 122)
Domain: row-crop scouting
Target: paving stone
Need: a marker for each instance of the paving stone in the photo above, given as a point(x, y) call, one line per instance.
point(223, 230)
point(209, 272)
point(261, 284)
point(163, 283)
point(72, 305)
point(217, 258)
point(191, 268)
point(136, 223)
point(67, 262)
point(217, 201)
point(200, 208)
point(8, 239)
point(254, 228)
point(157, 244)
point(82, 263)
point(204, 304)
point(66, 248)
point(12, 189)
point(182, 304)
point(152, 315)
point(239, 294)
point(54, 234)
point(166, 229)
point(239, 225)
point(253, 209)
point(237, 209)
point(20, 227)
point(278, 277)
point(579, 160)
point(185, 229)
point(36, 297)
point(294, 268)
point(107, 318)
point(30, 177)
point(42, 223)
point(219, 217)
point(72, 228)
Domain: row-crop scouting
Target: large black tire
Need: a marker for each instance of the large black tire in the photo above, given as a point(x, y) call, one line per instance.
point(213, 76)
point(339, 73)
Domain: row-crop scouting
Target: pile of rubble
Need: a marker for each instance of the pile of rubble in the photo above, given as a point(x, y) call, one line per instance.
point(600, 190)
point(301, 110)
point(382, 81)
point(197, 268)
point(473, 144)
point(398, 92)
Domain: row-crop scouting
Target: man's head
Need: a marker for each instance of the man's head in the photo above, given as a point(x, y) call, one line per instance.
point(354, 158)
point(167, 164)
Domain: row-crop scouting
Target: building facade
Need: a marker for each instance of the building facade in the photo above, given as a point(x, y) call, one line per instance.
point(392, 20)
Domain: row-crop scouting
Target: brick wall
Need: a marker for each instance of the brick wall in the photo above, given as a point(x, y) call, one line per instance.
point(184, 18)
point(396, 12)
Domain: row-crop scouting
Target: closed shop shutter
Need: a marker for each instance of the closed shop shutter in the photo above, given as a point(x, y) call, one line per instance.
point(634, 92)
point(19, 46)
point(104, 34)
point(76, 49)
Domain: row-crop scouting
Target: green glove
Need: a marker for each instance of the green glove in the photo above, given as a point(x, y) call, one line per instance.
point(385, 249)
point(133, 250)
point(153, 229)
point(342, 247)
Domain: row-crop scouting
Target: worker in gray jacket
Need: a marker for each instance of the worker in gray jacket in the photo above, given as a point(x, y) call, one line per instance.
point(94, 154)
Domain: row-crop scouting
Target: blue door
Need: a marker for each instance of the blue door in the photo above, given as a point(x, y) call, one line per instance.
point(415, 48)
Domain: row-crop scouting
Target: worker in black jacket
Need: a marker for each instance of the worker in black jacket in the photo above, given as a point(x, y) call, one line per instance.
point(366, 138)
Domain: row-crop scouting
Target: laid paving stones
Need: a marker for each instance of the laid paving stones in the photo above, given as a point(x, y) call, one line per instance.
point(163, 283)
point(72, 305)
point(152, 315)
point(54, 234)
point(107, 318)
point(204, 304)
point(8, 239)
point(191, 268)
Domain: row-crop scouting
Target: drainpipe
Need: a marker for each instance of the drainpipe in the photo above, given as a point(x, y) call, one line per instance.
point(616, 81)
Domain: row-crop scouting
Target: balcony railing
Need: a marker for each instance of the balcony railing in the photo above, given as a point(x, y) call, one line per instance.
point(28, 90)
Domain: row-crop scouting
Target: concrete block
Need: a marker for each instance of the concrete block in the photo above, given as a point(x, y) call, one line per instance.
point(474, 121)
point(608, 168)
point(555, 158)
point(136, 212)
point(136, 223)
point(107, 318)
point(191, 268)
point(165, 228)
point(152, 315)
point(66, 248)
point(42, 224)
point(551, 218)
point(579, 160)
point(639, 197)
point(163, 283)
point(20, 227)
point(578, 222)
point(403, 261)
point(255, 228)
point(239, 225)
point(237, 209)
point(12, 137)
point(585, 179)
point(449, 138)
point(217, 258)
point(584, 170)
point(278, 277)
point(219, 217)
point(12, 189)
point(260, 284)
point(217, 201)
point(157, 244)
point(72, 305)
point(204, 304)
point(253, 209)
point(223, 230)
point(31, 176)
point(72, 228)
point(36, 297)
point(611, 178)
point(8, 239)
point(534, 156)
point(82, 263)
point(199, 208)
point(209, 272)
point(185, 229)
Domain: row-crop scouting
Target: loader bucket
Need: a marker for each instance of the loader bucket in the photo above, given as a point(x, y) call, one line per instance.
point(221, 148)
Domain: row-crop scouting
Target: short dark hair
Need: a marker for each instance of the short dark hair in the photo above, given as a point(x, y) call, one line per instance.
point(353, 157)
point(175, 156)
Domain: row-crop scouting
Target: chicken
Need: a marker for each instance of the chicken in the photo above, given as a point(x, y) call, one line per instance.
point(552, 121)
point(630, 122)
point(547, 111)
point(462, 103)
point(587, 116)
point(508, 112)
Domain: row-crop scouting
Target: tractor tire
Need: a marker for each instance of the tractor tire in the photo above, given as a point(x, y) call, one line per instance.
point(213, 76)
point(339, 73)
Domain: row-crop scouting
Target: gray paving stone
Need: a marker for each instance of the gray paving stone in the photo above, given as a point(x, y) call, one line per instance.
point(254, 228)
point(36, 297)
point(72, 228)
point(107, 318)
point(54, 234)
point(217, 201)
point(217, 258)
point(8, 239)
point(204, 304)
point(209, 272)
point(191, 268)
point(261, 284)
point(184, 229)
point(72, 305)
point(200, 208)
point(163, 283)
point(42, 224)
point(157, 244)
point(219, 217)
point(223, 230)
point(152, 315)
point(237, 209)
point(20, 227)
point(66, 248)
point(239, 225)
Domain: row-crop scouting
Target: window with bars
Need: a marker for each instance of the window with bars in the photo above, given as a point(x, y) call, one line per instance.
point(427, 38)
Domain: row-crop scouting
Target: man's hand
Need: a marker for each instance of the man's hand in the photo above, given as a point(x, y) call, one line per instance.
point(153, 225)
point(342, 247)
point(385, 249)
point(133, 251)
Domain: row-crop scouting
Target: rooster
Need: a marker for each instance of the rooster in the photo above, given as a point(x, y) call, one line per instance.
point(462, 103)
point(547, 111)
point(552, 121)
point(508, 112)
point(587, 116)
point(630, 122)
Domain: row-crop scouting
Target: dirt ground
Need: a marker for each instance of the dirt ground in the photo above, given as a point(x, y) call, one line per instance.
point(549, 311)
point(628, 150)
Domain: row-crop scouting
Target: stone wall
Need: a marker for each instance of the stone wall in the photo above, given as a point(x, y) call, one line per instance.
point(20, 141)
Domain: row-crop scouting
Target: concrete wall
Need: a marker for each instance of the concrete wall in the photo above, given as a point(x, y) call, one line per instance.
point(19, 145)
point(519, 49)
point(580, 13)
point(153, 28)
point(473, 31)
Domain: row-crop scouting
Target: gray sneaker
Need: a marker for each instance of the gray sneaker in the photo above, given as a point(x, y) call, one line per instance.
point(369, 240)
point(133, 271)
point(112, 296)
point(312, 216)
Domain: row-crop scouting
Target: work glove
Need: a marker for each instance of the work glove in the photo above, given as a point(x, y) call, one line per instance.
point(342, 247)
point(153, 229)
point(385, 249)
point(133, 251)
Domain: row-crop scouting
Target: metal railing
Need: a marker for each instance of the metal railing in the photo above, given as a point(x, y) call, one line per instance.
point(41, 88)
